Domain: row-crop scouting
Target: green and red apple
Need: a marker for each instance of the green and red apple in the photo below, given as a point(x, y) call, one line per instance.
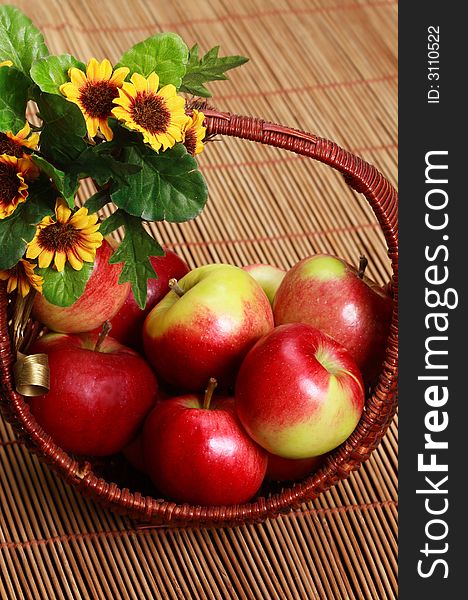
point(335, 297)
point(206, 327)
point(127, 324)
point(100, 301)
point(299, 393)
point(267, 276)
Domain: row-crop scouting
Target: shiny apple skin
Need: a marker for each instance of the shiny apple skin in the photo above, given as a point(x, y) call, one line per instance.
point(127, 324)
point(207, 331)
point(201, 456)
point(267, 276)
point(97, 400)
point(101, 299)
point(327, 293)
point(299, 393)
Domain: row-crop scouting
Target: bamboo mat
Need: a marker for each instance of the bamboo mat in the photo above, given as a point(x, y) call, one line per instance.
point(325, 66)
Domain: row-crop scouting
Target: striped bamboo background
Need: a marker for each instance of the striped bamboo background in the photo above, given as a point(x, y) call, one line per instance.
point(325, 66)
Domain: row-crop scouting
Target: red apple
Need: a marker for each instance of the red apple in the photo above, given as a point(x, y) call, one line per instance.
point(127, 324)
point(290, 469)
point(99, 394)
point(326, 292)
point(268, 276)
point(198, 452)
point(299, 393)
point(101, 299)
point(206, 327)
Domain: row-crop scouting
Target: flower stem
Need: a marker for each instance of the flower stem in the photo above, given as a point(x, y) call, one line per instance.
point(209, 392)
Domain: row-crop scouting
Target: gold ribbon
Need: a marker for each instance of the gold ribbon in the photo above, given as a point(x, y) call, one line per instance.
point(32, 375)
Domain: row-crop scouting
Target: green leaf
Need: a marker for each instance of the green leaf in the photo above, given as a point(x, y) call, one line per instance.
point(134, 252)
point(97, 201)
point(95, 162)
point(113, 222)
point(51, 72)
point(13, 99)
point(63, 288)
point(169, 186)
point(210, 67)
point(58, 178)
point(164, 53)
point(20, 41)
point(63, 129)
point(19, 228)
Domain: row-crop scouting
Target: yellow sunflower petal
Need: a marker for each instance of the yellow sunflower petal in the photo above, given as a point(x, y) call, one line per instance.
point(32, 141)
point(129, 89)
point(23, 287)
point(74, 261)
point(60, 260)
point(153, 82)
point(37, 282)
point(92, 233)
point(169, 91)
point(70, 91)
point(92, 70)
point(140, 83)
point(62, 211)
point(85, 254)
point(120, 113)
point(24, 132)
point(119, 76)
point(44, 258)
point(77, 78)
point(80, 219)
point(94, 238)
point(106, 130)
point(33, 249)
point(12, 284)
point(92, 125)
point(105, 70)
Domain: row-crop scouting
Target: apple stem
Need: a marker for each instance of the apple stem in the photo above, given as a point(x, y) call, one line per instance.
point(106, 327)
point(209, 392)
point(175, 287)
point(363, 262)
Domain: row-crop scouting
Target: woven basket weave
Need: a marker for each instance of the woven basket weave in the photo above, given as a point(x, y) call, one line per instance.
point(380, 405)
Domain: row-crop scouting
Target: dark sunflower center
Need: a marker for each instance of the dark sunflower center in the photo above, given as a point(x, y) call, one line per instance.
point(190, 141)
point(151, 112)
point(96, 98)
point(8, 146)
point(58, 237)
point(9, 184)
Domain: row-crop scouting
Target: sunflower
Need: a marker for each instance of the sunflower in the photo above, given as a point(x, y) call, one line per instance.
point(93, 92)
point(194, 133)
point(6, 63)
point(14, 145)
point(23, 278)
point(13, 188)
point(158, 115)
point(73, 237)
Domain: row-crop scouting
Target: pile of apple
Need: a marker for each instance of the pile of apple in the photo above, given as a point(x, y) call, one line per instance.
point(229, 376)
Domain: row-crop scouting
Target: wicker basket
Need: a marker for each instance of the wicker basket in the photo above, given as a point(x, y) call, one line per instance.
point(380, 405)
